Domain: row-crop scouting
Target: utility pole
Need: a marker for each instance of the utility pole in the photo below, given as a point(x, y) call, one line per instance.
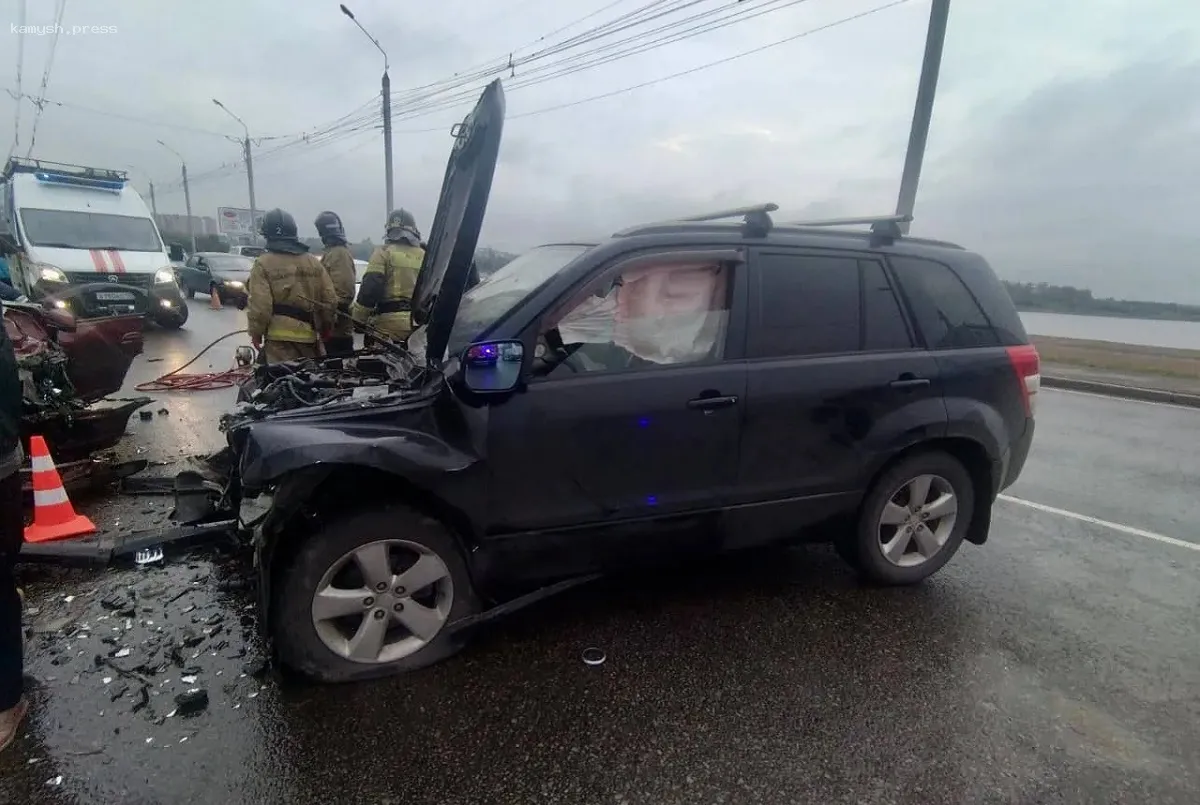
point(387, 137)
point(246, 154)
point(187, 195)
point(153, 204)
point(250, 181)
point(918, 135)
point(386, 88)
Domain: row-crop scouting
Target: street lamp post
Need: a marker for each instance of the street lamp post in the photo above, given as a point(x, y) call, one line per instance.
point(187, 195)
point(386, 95)
point(249, 168)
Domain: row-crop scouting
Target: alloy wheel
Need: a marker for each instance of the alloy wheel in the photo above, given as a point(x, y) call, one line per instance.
point(382, 601)
point(917, 520)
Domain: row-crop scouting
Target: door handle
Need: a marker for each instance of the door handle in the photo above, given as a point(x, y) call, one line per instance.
point(909, 381)
point(711, 403)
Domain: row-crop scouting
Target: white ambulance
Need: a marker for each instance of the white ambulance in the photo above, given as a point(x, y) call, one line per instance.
point(84, 239)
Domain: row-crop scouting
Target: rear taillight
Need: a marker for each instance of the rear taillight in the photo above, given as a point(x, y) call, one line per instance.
point(1027, 365)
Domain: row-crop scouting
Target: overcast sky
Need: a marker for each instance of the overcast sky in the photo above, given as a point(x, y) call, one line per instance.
point(1065, 143)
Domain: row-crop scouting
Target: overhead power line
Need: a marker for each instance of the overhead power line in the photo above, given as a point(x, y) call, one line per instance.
point(21, 18)
point(59, 10)
point(422, 101)
point(652, 82)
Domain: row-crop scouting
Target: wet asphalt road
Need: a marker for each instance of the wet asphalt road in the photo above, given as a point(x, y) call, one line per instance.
point(1058, 663)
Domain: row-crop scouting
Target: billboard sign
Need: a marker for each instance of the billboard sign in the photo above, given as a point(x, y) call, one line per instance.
point(236, 222)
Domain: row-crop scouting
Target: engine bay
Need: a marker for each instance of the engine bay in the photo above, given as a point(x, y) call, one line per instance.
point(366, 378)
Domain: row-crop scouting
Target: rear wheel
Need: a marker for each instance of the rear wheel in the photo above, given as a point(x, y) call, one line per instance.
point(912, 521)
point(371, 595)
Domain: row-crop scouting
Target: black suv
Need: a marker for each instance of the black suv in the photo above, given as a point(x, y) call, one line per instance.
point(679, 389)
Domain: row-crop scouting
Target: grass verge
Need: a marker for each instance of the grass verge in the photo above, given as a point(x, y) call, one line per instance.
point(1126, 358)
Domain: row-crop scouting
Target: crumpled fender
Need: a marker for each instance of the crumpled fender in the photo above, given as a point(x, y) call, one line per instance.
point(273, 449)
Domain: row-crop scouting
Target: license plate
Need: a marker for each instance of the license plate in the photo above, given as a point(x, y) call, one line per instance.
point(114, 296)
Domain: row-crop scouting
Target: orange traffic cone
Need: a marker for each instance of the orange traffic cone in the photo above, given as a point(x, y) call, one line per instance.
point(54, 517)
point(214, 298)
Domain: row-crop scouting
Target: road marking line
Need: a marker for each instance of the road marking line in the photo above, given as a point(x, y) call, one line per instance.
point(1084, 518)
point(1116, 398)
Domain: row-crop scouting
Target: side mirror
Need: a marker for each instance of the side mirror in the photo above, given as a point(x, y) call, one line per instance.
point(492, 367)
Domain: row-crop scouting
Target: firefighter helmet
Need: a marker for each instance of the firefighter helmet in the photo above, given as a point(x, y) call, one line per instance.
point(278, 225)
point(329, 227)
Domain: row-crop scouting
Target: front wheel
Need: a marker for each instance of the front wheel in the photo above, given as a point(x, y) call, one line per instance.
point(173, 320)
point(912, 521)
point(371, 595)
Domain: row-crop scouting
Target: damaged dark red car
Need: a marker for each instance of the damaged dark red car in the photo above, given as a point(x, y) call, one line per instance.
point(69, 367)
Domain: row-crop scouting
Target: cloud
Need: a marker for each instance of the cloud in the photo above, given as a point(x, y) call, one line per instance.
point(1061, 145)
point(1088, 182)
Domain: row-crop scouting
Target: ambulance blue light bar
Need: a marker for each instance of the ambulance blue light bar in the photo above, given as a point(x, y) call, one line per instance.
point(111, 185)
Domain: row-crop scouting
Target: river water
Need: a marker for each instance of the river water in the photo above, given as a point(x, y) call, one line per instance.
point(1147, 332)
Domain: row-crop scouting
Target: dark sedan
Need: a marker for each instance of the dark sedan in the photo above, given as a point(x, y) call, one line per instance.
point(228, 273)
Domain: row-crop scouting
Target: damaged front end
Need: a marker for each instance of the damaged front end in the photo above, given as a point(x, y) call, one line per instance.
point(299, 396)
point(67, 368)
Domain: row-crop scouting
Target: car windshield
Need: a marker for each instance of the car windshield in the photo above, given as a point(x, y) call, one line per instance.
point(70, 229)
point(507, 287)
point(229, 263)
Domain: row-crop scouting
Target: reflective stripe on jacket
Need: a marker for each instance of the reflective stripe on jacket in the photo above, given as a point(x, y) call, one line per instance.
point(387, 283)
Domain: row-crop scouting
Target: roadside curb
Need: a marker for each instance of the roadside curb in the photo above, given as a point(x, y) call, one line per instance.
point(1117, 390)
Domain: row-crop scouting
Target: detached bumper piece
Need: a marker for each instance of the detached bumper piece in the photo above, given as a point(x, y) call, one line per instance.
point(105, 549)
point(194, 505)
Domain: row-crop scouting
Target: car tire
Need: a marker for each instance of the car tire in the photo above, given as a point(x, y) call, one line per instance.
point(304, 647)
point(878, 550)
point(173, 321)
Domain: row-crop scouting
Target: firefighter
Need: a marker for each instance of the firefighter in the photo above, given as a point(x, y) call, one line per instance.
point(339, 262)
point(385, 296)
point(291, 296)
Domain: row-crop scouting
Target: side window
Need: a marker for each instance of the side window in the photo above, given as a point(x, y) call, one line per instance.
point(884, 325)
point(807, 305)
point(946, 311)
point(647, 317)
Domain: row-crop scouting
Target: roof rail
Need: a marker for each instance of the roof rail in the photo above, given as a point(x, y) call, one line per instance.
point(883, 226)
point(756, 220)
point(22, 165)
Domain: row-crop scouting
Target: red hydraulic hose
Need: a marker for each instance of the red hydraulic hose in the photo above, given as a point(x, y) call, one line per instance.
point(176, 380)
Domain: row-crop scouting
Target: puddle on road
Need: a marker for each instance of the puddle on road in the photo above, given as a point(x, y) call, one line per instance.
point(129, 662)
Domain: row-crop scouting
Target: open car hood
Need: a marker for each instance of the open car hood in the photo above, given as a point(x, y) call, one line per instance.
point(454, 234)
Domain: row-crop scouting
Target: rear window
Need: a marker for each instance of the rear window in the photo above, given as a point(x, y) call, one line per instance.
point(948, 314)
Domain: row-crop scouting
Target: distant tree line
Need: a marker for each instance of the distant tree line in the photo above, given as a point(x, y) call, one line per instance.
point(1047, 298)
point(487, 259)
